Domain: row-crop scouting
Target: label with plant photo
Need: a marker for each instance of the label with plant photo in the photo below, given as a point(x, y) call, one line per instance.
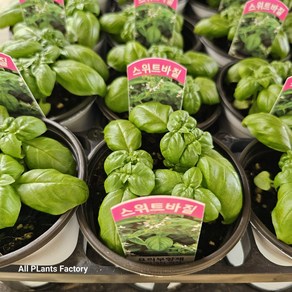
point(14, 93)
point(159, 229)
point(258, 27)
point(156, 79)
point(226, 3)
point(44, 13)
point(155, 21)
point(283, 104)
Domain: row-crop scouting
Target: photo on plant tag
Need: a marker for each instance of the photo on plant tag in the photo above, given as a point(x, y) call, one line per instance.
point(155, 88)
point(14, 92)
point(44, 13)
point(159, 234)
point(260, 24)
point(154, 24)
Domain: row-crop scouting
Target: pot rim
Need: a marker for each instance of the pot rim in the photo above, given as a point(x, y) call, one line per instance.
point(85, 101)
point(179, 269)
point(61, 222)
point(222, 92)
point(257, 224)
point(202, 6)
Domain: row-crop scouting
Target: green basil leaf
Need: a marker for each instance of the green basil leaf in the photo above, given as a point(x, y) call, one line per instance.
point(200, 64)
point(45, 78)
point(116, 98)
point(283, 177)
point(151, 117)
point(10, 145)
point(263, 180)
point(269, 130)
point(282, 214)
point(142, 180)
point(208, 90)
point(78, 78)
point(10, 166)
point(88, 57)
point(134, 51)
point(3, 114)
point(44, 152)
point(28, 127)
point(115, 58)
point(165, 181)
point(214, 167)
point(122, 135)
point(10, 205)
point(108, 231)
point(181, 190)
point(6, 179)
point(50, 191)
point(193, 177)
point(212, 204)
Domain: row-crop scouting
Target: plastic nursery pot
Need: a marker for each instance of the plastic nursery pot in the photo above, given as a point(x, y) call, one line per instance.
point(206, 117)
point(74, 112)
point(53, 238)
point(218, 49)
point(254, 159)
point(233, 116)
point(216, 239)
point(201, 9)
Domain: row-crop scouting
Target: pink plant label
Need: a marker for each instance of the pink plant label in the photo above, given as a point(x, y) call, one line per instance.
point(156, 79)
point(258, 27)
point(7, 63)
point(23, 102)
point(288, 84)
point(275, 7)
point(157, 66)
point(158, 205)
point(170, 3)
point(159, 229)
point(44, 13)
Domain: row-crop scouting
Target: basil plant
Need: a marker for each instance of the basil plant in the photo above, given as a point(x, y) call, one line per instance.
point(189, 166)
point(36, 170)
point(275, 134)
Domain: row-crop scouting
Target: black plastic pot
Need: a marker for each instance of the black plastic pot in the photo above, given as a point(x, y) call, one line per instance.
point(255, 158)
point(200, 9)
point(61, 231)
point(72, 111)
point(216, 239)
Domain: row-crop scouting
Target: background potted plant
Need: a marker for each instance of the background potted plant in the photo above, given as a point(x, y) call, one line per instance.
point(217, 33)
point(102, 235)
point(249, 86)
point(40, 160)
point(270, 184)
point(52, 61)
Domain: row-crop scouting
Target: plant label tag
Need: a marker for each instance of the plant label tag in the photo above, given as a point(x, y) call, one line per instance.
point(159, 229)
point(258, 27)
point(156, 79)
point(155, 21)
point(44, 13)
point(226, 3)
point(16, 95)
point(283, 104)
